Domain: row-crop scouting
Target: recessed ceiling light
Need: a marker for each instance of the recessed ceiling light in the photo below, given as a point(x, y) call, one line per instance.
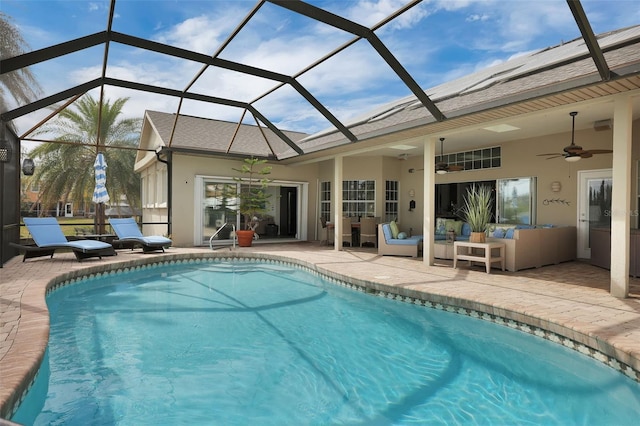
point(500, 128)
point(403, 147)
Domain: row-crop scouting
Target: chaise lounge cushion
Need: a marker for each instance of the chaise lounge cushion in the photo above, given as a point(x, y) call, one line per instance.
point(127, 231)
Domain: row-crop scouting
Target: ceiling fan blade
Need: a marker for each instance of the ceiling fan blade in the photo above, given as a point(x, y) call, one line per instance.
point(456, 168)
point(599, 151)
point(555, 156)
point(585, 154)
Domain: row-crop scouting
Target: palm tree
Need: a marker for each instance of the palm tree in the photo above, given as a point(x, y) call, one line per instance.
point(21, 85)
point(65, 170)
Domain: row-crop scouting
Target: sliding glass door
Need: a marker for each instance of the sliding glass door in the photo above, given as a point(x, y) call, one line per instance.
point(284, 215)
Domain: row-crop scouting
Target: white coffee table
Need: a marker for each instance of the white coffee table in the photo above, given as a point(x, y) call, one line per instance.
point(487, 257)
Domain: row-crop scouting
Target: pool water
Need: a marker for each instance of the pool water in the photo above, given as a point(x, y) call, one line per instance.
point(237, 343)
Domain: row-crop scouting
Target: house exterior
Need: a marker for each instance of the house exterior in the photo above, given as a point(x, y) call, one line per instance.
point(499, 122)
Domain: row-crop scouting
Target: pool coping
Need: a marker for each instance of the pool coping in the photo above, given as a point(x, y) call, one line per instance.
point(34, 321)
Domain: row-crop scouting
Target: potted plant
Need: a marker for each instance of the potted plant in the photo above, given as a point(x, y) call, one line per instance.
point(253, 197)
point(477, 211)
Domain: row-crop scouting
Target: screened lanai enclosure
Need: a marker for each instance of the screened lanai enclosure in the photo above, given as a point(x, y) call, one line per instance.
point(317, 78)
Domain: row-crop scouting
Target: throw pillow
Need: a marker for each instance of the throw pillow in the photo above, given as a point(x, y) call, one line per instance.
point(466, 229)
point(509, 233)
point(450, 224)
point(402, 236)
point(441, 226)
point(394, 229)
point(498, 233)
point(457, 227)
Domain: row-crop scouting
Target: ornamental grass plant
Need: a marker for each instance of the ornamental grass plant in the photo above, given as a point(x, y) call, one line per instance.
point(477, 207)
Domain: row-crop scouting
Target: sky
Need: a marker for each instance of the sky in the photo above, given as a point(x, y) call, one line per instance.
point(435, 41)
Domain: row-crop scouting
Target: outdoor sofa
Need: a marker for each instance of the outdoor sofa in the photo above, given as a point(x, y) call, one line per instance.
point(391, 242)
point(533, 246)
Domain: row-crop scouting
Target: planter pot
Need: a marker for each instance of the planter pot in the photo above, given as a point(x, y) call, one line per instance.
point(477, 237)
point(245, 238)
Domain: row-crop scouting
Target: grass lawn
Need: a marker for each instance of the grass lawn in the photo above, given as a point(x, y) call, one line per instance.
point(68, 225)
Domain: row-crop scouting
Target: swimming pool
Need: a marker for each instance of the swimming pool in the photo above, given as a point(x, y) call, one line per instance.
point(235, 342)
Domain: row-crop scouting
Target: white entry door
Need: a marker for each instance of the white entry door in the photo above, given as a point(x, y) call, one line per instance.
point(594, 206)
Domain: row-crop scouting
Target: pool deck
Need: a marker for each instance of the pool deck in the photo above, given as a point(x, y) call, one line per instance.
point(570, 300)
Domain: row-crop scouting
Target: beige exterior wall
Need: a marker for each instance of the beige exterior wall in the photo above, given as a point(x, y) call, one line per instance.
point(519, 159)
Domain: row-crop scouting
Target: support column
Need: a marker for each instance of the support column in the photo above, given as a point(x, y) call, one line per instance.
point(337, 205)
point(621, 196)
point(429, 196)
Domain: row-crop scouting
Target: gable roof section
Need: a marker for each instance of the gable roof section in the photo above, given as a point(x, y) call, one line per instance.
point(194, 134)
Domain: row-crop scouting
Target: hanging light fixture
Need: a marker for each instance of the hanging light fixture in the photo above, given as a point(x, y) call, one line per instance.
point(5, 151)
point(28, 167)
point(572, 152)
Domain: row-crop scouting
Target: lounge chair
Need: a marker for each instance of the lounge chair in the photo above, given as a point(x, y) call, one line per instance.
point(48, 237)
point(127, 231)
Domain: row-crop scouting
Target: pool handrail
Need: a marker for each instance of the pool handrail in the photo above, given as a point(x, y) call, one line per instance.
point(218, 231)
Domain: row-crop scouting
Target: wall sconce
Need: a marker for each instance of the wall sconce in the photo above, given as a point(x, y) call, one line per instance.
point(556, 186)
point(5, 152)
point(412, 193)
point(28, 167)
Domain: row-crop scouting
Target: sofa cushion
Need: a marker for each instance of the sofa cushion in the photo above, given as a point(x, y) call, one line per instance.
point(394, 229)
point(386, 230)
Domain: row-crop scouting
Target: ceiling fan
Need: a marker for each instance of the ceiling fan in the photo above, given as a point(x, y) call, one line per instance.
point(442, 167)
point(575, 152)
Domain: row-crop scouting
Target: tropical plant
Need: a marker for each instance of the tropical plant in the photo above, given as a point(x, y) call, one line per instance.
point(21, 85)
point(65, 169)
point(477, 207)
point(253, 197)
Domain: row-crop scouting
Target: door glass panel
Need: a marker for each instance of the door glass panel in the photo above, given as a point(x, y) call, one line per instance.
point(599, 203)
point(219, 210)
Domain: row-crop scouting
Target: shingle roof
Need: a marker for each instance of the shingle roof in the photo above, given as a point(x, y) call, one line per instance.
point(207, 135)
point(525, 77)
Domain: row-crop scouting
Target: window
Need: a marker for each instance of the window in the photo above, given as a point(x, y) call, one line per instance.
point(325, 200)
point(358, 198)
point(486, 158)
point(516, 200)
point(161, 186)
point(391, 195)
